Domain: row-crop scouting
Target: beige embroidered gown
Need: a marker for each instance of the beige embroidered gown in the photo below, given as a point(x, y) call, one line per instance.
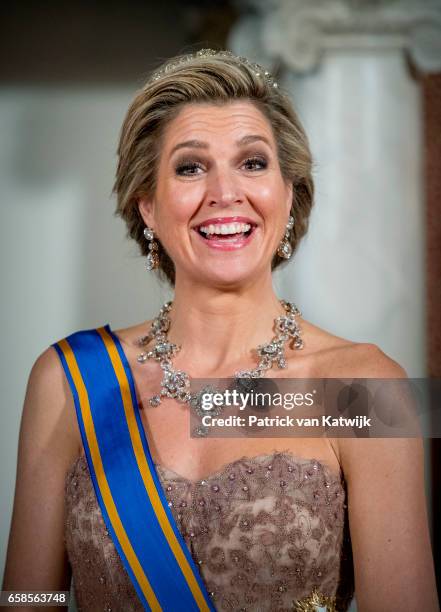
point(264, 531)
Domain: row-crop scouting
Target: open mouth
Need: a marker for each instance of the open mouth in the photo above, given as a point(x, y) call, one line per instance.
point(226, 233)
point(226, 237)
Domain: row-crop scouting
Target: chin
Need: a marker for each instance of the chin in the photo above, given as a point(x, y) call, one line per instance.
point(228, 275)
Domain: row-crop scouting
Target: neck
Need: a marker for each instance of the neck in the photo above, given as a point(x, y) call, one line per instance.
point(219, 330)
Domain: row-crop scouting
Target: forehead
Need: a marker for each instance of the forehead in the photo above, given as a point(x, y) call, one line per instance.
point(201, 121)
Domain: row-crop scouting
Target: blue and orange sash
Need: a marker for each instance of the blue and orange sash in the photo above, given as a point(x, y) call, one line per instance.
point(124, 476)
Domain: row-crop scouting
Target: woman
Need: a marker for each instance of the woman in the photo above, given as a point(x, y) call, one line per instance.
point(214, 183)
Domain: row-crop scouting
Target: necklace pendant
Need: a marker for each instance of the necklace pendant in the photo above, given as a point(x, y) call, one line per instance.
point(281, 362)
point(268, 350)
point(163, 350)
point(287, 325)
point(175, 384)
point(197, 402)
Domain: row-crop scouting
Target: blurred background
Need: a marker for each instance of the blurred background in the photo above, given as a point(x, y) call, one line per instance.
point(365, 78)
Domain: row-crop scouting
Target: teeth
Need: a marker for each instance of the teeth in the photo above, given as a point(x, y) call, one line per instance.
point(225, 228)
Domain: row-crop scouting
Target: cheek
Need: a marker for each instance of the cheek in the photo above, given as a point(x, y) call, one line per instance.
point(269, 195)
point(180, 202)
point(176, 204)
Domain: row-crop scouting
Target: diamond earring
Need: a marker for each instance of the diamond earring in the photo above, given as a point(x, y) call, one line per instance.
point(285, 248)
point(152, 259)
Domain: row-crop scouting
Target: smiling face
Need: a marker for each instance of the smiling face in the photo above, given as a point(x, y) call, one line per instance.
point(219, 166)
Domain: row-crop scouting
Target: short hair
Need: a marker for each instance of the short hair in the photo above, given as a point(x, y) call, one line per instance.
point(214, 77)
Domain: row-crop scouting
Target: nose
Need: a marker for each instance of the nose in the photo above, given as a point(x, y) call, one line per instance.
point(223, 188)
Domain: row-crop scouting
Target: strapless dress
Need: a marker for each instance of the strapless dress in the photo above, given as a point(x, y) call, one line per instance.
point(264, 531)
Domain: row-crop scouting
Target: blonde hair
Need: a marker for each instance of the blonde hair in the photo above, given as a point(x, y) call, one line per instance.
point(215, 78)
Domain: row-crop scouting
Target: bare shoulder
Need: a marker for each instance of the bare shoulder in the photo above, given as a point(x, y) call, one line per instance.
point(371, 362)
point(49, 404)
point(129, 335)
point(366, 360)
point(340, 357)
point(47, 380)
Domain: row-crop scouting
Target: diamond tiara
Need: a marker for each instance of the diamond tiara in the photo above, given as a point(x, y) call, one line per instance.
point(255, 68)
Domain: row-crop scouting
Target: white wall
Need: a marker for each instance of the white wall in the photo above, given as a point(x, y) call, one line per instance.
point(65, 261)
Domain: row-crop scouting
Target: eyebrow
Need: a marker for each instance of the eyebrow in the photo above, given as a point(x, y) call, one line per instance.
point(190, 144)
point(252, 138)
point(197, 144)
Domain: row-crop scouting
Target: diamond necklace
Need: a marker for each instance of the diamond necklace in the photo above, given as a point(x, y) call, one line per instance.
point(176, 383)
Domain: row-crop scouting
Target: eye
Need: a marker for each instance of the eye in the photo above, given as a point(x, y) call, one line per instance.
point(255, 163)
point(190, 168)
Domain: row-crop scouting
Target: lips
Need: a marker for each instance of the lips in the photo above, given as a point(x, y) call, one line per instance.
point(228, 242)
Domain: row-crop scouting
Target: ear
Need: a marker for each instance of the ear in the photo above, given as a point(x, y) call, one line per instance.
point(146, 210)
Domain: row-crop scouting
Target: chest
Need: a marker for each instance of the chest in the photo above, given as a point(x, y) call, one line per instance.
point(169, 431)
